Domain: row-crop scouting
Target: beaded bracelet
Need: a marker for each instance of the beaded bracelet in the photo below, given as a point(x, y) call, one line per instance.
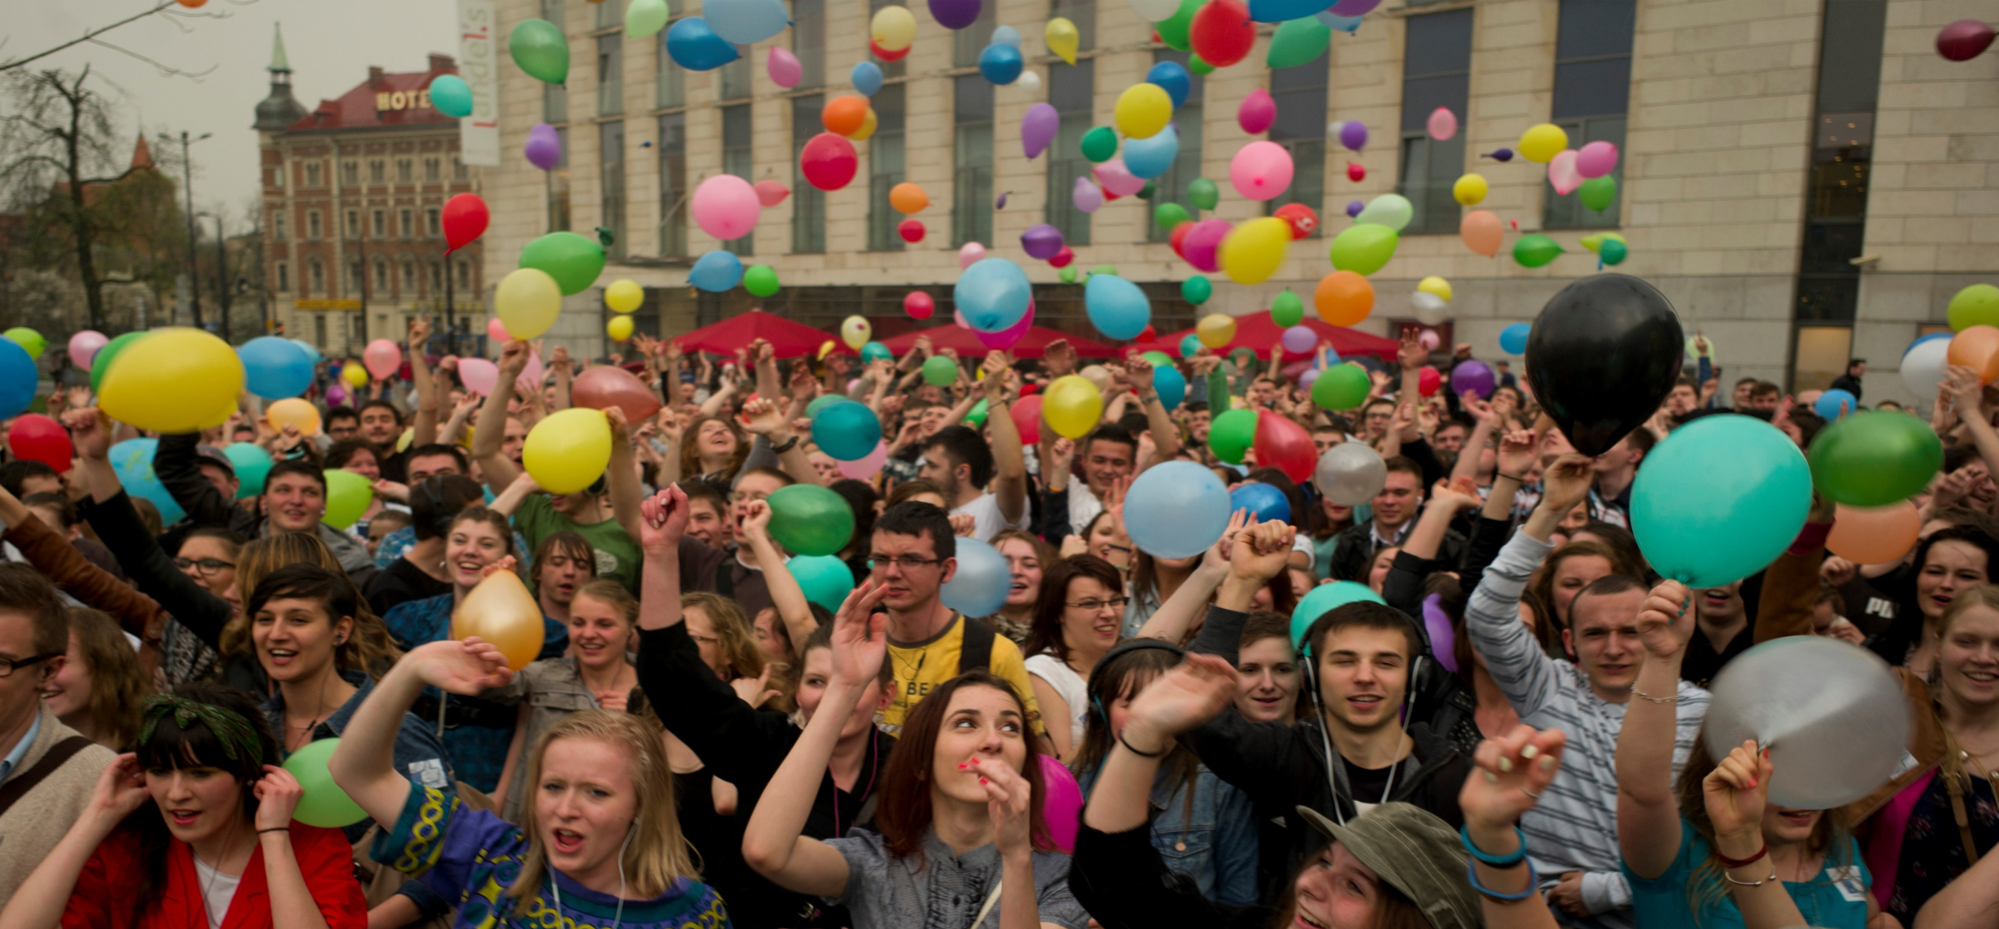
point(1533, 884)
point(1519, 854)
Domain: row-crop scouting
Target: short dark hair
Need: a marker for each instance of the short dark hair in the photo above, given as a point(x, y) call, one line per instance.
point(1266, 624)
point(303, 581)
point(343, 411)
point(65, 510)
point(1607, 585)
point(1363, 614)
point(439, 448)
point(915, 518)
point(295, 466)
point(435, 500)
point(1850, 362)
point(1111, 432)
point(340, 453)
point(564, 542)
point(966, 447)
point(15, 473)
point(697, 489)
point(1405, 465)
point(24, 590)
point(1045, 633)
point(1741, 381)
point(1968, 533)
point(1642, 439)
point(786, 479)
point(384, 404)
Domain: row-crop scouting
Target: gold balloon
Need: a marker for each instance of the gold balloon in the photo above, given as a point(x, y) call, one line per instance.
point(501, 612)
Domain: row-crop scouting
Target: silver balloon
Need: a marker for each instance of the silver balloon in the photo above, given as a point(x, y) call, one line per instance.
point(1430, 308)
point(1350, 473)
point(1832, 715)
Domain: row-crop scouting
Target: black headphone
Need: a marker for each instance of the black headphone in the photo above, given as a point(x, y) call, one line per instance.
point(1309, 673)
point(1122, 649)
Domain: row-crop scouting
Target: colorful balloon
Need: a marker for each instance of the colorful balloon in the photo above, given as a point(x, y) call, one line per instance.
point(274, 367)
point(572, 260)
point(1038, 128)
point(605, 386)
point(347, 497)
point(175, 380)
point(828, 161)
point(726, 206)
point(502, 613)
point(527, 301)
point(1116, 307)
point(383, 358)
point(645, 18)
point(1001, 64)
point(451, 95)
point(322, 803)
point(784, 68)
point(1874, 535)
point(1543, 142)
point(568, 450)
point(1481, 232)
point(1363, 248)
point(1513, 338)
point(1340, 388)
point(1873, 458)
point(1344, 298)
point(1176, 509)
point(1255, 114)
point(1536, 250)
point(1298, 41)
point(1072, 406)
point(298, 413)
point(1231, 434)
point(1150, 158)
point(1254, 250)
point(464, 220)
point(1976, 305)
point(1324, 599)
point(1391, 210)
point(540, 49)
point(1221, 32)
point(544, 147)
point(1602, 356)
point(1719, 499)
point(1215, 330)
point(847, 431)
point(1261, 170)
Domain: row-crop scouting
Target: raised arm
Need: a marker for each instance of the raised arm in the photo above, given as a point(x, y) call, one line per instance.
point(364, 764)
point(564, 369)
point(1165, 434)
point(622, 475)
point(1492, 616)
point(662, 523)
point(1009, 483)
point(1735, 794)
point(1174, 617)
point(1513, 771)
point(785, 594)
point(764, 417)
point(1648, 819)
point(491, 428)
point(425, 428)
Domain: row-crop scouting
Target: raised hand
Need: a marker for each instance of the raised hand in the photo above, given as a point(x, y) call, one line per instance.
point(460, 666)
point(514, 361)
point(1517, 453)
point(860, 636)
point(621, 431)
point(391, 490)
point(1513, 770)
point(662, 522)
point(1221, 554)
point(1735, 793)
point(963, 525)
point(1412, 355)
point(1059, 357)
point(762, 417)
point(754, 691)
point(995, 368)
point(90, 430)
point(756, 519)
point(278, 794)
point(1662, 621)
point(121, 789)
point(1261, 552)
point(558, 360)
point(1186, 696)
point(1062, 455)
point(419, 333)
point(1458, 494)
point(1567, 482)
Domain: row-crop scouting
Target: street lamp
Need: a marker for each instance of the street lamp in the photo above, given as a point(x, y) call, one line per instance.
point(187, 185)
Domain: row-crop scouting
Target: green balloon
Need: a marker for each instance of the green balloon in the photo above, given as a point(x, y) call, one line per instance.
point(1067, 275)
point(1534, 251)
point(1977, 305)
point(1157, 358)
point(27, 338)
point(1168, 215)
point(1597, 192)
point(347, 497)
point(1341, 387)
point(251, 463)
point(539, 47)
point(825, 579)
point(1105, 269)
point(1199, 65)
point(1197, 290)
point(808, 519)
point(573, 260)
point(1146, 192)
point(1874, 458)
point(1298, 42)
point(1231, 434)
point(760, 280)
point(100, 363)
point(976, 416)
point(1613, 252)
point(1202, 193)
point(1363, 248)
point(1287, 310)
point(821, 402)
point(1100, 144)
point(1173, 30)
point(323, 804)
point(940, 370)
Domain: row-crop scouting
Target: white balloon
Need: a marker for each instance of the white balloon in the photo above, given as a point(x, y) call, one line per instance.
point(1832, 716)
point(1391, 210)
point(1350, 473)
point(1922, 368)
point(1429, 307)
point(1155, 10)
point(1028, 81)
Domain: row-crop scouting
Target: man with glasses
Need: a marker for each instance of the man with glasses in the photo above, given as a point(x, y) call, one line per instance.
point(47, 771)
point(914, 554)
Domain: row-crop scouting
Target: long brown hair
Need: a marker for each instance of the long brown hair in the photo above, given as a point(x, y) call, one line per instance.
point(117, 683)
point(1706, 888)
point(904, 814)
point(1045, 634)
point(370, 649)
point(690, 448)
point(1542, 583)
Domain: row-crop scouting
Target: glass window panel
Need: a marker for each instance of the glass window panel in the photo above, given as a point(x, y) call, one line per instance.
point(611, 141)
point(1590, 28)
point(808, 209)
point(1830, 248)
point(1828, 298)
point(885, 169)
point(739, 159)
point(1084, 14)
point(967, 43)
point(972, 180)
point(1300, 93)
point(673, 191)
point(1568, 212)
point(1822, 353)
point(670, 81)
point(1438, 43)
point(736, 78)
point(808, 41)
point(1850, 54)
point(1071, 90)
point(610, 74)
point(1592, 88)
point(1421, 96)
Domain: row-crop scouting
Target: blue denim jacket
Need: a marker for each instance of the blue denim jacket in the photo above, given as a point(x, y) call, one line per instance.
point(1213, 843)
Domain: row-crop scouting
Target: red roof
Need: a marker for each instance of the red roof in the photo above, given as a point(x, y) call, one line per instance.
point(791, 339)
point(1032, 345)
point(383, 100)
point(1259, 332)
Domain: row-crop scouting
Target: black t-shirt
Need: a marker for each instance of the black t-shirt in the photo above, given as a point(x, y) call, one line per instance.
point(402, 582)
point(1702, 662)
point(1370, 785)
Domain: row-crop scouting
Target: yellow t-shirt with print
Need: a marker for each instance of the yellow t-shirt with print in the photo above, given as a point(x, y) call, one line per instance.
point(921, 666)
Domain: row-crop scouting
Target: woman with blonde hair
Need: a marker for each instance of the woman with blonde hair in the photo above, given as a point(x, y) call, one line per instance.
point(98, 686)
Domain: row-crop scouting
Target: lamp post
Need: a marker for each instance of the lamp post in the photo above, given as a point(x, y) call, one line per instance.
point(187, 186)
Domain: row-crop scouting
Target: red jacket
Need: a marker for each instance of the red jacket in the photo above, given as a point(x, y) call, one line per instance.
point(106, 892)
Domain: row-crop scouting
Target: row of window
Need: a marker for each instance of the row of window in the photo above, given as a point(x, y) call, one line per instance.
point(378, 172)
point(385, 278)
point(382, 224)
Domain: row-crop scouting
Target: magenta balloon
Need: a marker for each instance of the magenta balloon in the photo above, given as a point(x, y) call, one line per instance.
point(1087, 196)
point(1011, 335)
point(1354, 7)
point(84, 345)
point(480, 376)
point(1118, 179)
point(544, 147)
point(1472, 379)
point(918, 305)
point(336, 394)
point(1202, 248)
point(1596, 159)
point(1061, 803)
point(1041, 241)
point(1299, 339)
point(725, 206)
point(1256, 112)
point(783, 68)
point(969, 254)
point(1964, 40)
point(1038, 127)
point(1260, 170)
point(1353, 134)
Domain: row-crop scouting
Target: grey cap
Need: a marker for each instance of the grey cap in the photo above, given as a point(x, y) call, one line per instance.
point(209, 454)
point(1415, 852)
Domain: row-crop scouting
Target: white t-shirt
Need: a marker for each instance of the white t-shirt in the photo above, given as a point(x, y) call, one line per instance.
point(1083, 507)
point(217, 889)
point(1069, 685)
point(987, 518)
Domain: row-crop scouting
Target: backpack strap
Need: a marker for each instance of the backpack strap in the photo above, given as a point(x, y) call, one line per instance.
point(18, 786)
point(977, 649)
point(1956, 783)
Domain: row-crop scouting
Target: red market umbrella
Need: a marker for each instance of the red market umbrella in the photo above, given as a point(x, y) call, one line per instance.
point(1032, 345)
point(1258, 332)
point(790, 339)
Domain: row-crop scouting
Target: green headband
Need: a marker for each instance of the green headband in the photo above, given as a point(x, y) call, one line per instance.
point(229, 726)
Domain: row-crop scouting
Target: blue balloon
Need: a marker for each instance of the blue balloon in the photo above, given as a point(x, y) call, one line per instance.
point(451, 96)
point(825, 579)
point(1513, 339)
point(867, 78)
point(716, 271)
point(875, 351)
point(310, 351)
point(1324, 599)
point(1277, 11)
point(1172, 76)
point(1150, 158)
point(1835, 403)
point(745, 22)
point(1171, 385)
point(1346, 24)
point(847, 431)
point(1190, 346)
point(251, 463)
point(1176, 509)
point(980, 585)
point(275, 368)
point(993, 294)
point(18, 379)
point(1719, 500)
point(1263, 501)
point(694, 46)
point(1007, 35)
point(1117, 307)
point(1001, 64)
point(132, 461)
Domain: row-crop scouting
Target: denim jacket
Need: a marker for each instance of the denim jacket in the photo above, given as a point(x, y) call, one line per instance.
point(1213, 843)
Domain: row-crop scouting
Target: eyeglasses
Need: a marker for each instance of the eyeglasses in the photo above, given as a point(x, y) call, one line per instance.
point(203, 566)
point(9, 665)
point(1115, 603)
point(905, 562)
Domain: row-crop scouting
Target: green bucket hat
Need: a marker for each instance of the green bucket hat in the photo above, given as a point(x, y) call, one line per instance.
point(1415, 852)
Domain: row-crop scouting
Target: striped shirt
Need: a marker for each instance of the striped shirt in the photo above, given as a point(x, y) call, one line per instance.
point(1574, 827)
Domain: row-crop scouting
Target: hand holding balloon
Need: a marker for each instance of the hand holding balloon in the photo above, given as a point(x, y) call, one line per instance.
point(464, 666)
point(1662, 621)
point(1735, 793)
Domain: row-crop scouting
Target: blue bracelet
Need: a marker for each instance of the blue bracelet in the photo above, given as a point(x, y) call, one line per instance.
point(1533, 884)
point(1519, 855)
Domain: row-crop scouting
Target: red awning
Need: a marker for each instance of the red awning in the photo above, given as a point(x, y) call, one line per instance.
point(1258, 332)
point(791, 339)
point(967, 344)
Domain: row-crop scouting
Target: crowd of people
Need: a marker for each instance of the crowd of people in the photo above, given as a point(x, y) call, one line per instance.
point(1509, 733)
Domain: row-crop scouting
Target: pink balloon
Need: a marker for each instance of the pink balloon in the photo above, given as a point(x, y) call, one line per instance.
point(1011, 335)
point(530, 378)
point(861, 469)
point(1596, 159)
point(1118, 179)
point(1300, 339)
point(1562, 172)
point(1087, 196)
point(1204, 242)
point(771, 193)
point(726, 207)
point(783, 68)
point(1256, 112)
point(1027, 418)
point(84, 345)
point(1443, 123)
point(1260, 170)
point(497, 331)
point(970, 254)
point(383, 358)
point(480, 376)
point(1061, 802)
point(918, 304)
point(1429, 339)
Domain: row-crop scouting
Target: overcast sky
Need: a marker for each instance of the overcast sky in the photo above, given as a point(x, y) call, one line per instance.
point(330, 44)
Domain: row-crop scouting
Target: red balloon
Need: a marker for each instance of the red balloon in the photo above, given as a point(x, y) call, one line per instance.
point(1301, 217)
point(606, 386)
point(885, 54)
point(1178, 237)
point(1356, 173)
point(1284, 445)
point(1027, 418)
point(464, 220)
point(1221, 32)
point(1063, 258)
point(828, 161)
point(1147, 334)
point(918, 304)
point(35, 437)
point(911, 230)
point(771, 193)
point(1428, 380)
point(1964, 40)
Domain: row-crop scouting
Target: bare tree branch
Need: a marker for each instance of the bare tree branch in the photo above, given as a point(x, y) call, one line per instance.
point(87, 36)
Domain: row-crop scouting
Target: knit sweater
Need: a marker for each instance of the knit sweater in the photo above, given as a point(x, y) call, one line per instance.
point(31, 827)
point(1574, 827)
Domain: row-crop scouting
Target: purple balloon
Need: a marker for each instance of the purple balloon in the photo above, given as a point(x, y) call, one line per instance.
point(544, 148)
point(1042, 241)
point(1472, 379)
point(1354, 207)
point(1443, 642)
point(999, 203)
point(1501, 155)
point(1037, 128)
point(1353, 134)
point(1309, 375)
point(1353, 7)
point(957, 14)
point(1087, 196)
point(1299, 339)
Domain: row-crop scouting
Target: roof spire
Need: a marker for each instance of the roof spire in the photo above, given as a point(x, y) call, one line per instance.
point(278, 62)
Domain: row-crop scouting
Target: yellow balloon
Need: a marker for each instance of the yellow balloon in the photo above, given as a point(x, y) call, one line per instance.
point(1437, 286)
point(175, 380)
point(893, 28)
point(1062, 38)
point(354, 374)
point(293, 411)
point(1072, 405)
point(1543, 142)
point(403, 441)
point(619, 328)
point(527, 301)
point(1215, 330)
point(568, 450)
point(1470, 190)
point(855, 331)
point(624, 296)
point(1252, 251)
point(501, 612)
point(1143, 110)
point(868, 124)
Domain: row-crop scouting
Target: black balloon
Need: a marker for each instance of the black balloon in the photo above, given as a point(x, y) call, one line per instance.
point(1602, 356)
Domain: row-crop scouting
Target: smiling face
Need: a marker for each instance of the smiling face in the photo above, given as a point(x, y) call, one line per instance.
point(1100, 539)
point(1967, 658)
point(584, 805)
point(198, 803)
point(599, 631)
point(1363, 674)
point(68, 692)
point(1783, 825)
point(1400, 495)
point(1091, 615)
point(715, 439)
point(472, 545)
point(1104, 462)
point(1949, 567)
point(1267, 685)
point(1023, 570)
point(1377, 570)
point(295, 502)
point(1572, 575)
point(1605, 641)
point(1720, 605)
point(1337, 891)
point(984, 723)
point(295, 638)
point(705, 522)
point(199, 551)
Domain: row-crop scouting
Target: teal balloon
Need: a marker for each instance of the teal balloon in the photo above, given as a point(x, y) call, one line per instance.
point(875, 351)
point(821, 402)
point(825, 579)
point(1152, 157)
point(1536, 250)
point(808, 519)
point(132, 461)
point(1597, 193)
point(251, 464)
point(716, 272)
point(1168, 215)
point(1197, 289)
point(1298, 42)
point(1190, 346)
point(1874, 458)
point(1613, 252)
point(1203, 193)
point(324, 804)
point(693, 45)
point(847, 431)
point(1099, 144)
point(1117, 307)
point(1170, 384)
point(1719, 500)
point(573, 260)
point(450, 95)
point(540, 49)
point(1324, 599)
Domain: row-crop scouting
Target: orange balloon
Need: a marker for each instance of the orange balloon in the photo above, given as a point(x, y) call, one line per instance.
point(293, 411)
point(501, 612)
point(1977, 348)
point(1343, 298)
point(844, 115)
point(1874, 535)
point(1482, 232)
point(907, 198)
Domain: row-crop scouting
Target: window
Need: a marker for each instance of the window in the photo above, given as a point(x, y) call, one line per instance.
point(611, 145)
point(1836, 199)
point(972, 179)
point(808, 41)
point(458, 170)
point(408, 228)
point(558, 186)
point(673, 184)
point(284, 277)
point(610, 72)
point(319, 329)
point(808, 203)
point(436, 278)
point(432, 169)
point(739, 159)
point(381, 276)
point(353, 224)
point(318, 277)
point(1300, 93)
point(1084, 14)
point(736, 79)
point(431, 228)
point(312, 224)
point(886, 166)
point(378, 172)
point(409, 276)
point(1171, 187)
point(380, 224)
point(608, 16)
point(404, 173)
point(1072, 91)
point(967, 43)
point(669, 80)
point(350, 174)
point(464, 274)
point(555, 97)
point(278, 226)
point(278, 177)
point(1592, 91)
point(1436, 71)
point(312, 172)
point(357, 278)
